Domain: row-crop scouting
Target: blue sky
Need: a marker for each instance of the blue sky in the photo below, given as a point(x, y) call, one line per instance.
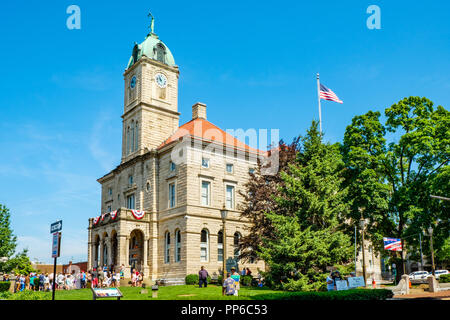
point(253, 63)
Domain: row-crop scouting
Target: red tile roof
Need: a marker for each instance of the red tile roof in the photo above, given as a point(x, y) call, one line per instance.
point(206, 131)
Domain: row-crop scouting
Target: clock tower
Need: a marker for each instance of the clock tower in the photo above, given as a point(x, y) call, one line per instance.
point(151, 97)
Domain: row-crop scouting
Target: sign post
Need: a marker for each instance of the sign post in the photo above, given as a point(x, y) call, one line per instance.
point(55, 229)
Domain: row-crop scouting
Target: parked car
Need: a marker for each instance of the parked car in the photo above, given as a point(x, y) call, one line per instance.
point(437, 273)
point(418, 275)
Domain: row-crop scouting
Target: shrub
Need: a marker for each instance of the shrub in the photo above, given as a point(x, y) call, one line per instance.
point(444, 278)
point(4, 286)
point(353, 294)
point(246, 280)
point(193, 279)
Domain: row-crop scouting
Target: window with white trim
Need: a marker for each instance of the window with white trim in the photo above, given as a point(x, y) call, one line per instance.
point(131, 201)
point(229, 197)
point(172, 195)
point(167, 248)
point(220, 246)
point(206, 193)
point(177, 246)
point(204, 242)
point(229, 168)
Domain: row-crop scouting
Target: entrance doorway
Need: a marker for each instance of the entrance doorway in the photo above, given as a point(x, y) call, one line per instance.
point(136, 250)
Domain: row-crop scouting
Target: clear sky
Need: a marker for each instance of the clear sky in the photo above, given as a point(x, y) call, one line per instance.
point(253, 63)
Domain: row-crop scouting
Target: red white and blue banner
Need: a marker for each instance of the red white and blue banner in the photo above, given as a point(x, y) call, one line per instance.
point(138, 214)
point(113, 214)
point(392, 244)
point(96, 220)
point(103, 216)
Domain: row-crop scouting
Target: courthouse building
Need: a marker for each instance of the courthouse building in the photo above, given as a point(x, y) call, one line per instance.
point(161, 206)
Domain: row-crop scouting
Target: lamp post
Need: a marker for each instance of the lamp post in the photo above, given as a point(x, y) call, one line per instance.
point(430, 232)
point(224, 213)
point(362, 224)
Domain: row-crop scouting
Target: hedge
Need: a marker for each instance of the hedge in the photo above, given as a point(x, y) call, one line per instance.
point(444, 278)
point(4, 286)
point(193, 279)
point(353, 294)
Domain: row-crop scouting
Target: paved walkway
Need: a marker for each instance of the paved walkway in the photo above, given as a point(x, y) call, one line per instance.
point(443, 295)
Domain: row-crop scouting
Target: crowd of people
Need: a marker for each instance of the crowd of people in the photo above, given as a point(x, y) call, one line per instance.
point(39, 281)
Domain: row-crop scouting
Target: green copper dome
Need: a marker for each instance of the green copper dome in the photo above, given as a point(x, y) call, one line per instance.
point(152, 48)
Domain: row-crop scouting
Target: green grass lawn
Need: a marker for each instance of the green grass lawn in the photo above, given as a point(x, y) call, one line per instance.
point(182, 292)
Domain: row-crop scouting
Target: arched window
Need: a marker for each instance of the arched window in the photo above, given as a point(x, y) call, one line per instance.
point(167, 248)
point(128, 142)
point(236, 240)
point(177, 246)
point(204, 242)
point(136, 136)
point(135, 53)
point(161, 53)
point(220, 246)
point(132, 137)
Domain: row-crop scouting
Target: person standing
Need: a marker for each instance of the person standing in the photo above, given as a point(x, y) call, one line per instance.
point(229, 286)
point(46, 282)
point(83, 279)
point(203, 277)
point(330, 282)
point(236, 277)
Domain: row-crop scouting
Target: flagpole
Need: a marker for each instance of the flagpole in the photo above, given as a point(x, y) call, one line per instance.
point(318, 95)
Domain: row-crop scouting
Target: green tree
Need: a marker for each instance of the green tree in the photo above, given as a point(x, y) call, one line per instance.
point(259, 197)
point(308, 222)
point(20, 263)
point(390, 182)
point(8, 241)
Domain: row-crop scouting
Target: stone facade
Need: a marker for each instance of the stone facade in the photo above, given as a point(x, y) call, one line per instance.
point(181, 184)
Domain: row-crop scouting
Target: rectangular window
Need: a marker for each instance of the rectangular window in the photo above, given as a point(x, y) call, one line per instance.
point(229, 200)
point(206, 188)
point(110, 191)
point(220, 252)
point(205, 162)
point(130, 202)
point(229, 168)
point(109, 209)
point(171, 195)
point(203, 254)
point(251, 170)
point(172, 166)
point(130, 180)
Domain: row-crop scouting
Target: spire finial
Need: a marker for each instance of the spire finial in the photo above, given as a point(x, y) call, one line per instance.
point(152, 23)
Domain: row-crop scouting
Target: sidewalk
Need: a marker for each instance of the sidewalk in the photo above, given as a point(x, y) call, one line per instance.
point(443, 295)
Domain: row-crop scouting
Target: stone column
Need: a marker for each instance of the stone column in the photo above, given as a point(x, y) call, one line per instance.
point(145, 258)
point(109, 250)
point(90, 255)
point(100, 247)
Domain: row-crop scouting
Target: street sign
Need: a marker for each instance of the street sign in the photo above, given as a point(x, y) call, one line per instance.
point(56, 227)
point(56, 244)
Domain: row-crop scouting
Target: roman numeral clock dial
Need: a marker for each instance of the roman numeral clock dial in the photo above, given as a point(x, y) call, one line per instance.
point(161, 80)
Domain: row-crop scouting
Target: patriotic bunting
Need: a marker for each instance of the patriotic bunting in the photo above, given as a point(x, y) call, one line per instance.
point(103, 216)
point(138, 214)
point(113, 214)
point(96, 220)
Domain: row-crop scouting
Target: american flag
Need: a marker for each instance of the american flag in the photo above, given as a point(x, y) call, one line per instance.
point(392, 244)
point(327, 94)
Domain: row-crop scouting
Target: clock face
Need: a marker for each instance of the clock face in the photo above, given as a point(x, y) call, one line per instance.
point(133, 82)
point(161, 80)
